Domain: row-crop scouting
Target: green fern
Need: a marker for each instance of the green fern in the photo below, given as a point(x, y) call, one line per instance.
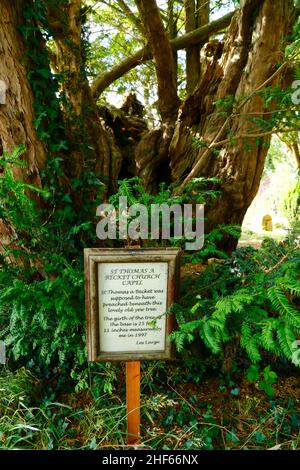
point(286, 338)
point(253, 297)
point(282, 305)
point(249, 341)
point(268, 331)
point(212, 337)
point(234, 303)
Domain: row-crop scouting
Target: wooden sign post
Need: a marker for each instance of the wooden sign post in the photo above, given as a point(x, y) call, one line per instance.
point(133, 401)
point(129, 293)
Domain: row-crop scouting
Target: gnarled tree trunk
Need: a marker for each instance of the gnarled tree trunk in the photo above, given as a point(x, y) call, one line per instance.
point(251, 54)
point(196, 15)
point(246, 62)
point(16, 108)
point(232, 147)
point(91, 147)
point(17, 112)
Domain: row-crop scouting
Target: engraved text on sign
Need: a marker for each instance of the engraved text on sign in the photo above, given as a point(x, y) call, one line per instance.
point(132, 306)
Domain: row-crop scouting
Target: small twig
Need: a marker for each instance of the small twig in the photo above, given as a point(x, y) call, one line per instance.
point(249, 136)
point(267, 271)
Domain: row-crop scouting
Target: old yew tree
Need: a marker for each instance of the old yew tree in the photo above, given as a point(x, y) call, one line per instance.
point(215, 86)
point(161, 101)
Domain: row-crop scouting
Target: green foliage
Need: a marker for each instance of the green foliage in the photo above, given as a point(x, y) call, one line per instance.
point(41, 265)
point(291, 204)
point(265, 378)
point(278, 154)
point(15, 205)
point(41, 277)
point(252, 298)
point(198, 191)
point(114, 31)
point(173, 417)
point(50, 122)
point(31, 420)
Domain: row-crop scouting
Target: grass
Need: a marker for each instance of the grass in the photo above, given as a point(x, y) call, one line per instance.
point(176, 414)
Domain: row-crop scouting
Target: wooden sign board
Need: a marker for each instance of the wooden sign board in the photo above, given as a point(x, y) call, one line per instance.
point(128, 295)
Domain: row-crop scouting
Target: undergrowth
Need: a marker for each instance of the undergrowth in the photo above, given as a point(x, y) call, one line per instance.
point(251, 300)
point(172, 418)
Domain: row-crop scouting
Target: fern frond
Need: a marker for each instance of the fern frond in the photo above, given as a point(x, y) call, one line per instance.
point(268, 340)
point(211, 337)
point(180, 338)
point(234, 303)
point(282, 305)
point(286, 340)
point(250, 342)
point(292, 285)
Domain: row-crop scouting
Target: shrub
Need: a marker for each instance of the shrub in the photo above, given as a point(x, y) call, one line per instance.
point(41, 276)
point(252, 299)
point(291, 204)
point(42, 307)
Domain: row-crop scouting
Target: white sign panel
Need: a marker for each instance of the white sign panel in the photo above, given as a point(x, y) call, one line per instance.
point(132, 306)
point(129, 293)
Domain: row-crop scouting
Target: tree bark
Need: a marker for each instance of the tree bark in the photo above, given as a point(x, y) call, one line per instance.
point(238, 68)
point(16, 109)
point(196, 15)
point(193, 52)
point(163, 58)
point(251, 53)
point(144, 54)
point(172, 30)
point(296, 152)
point(17, 113)
point(92, 148)
point(246, 62)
